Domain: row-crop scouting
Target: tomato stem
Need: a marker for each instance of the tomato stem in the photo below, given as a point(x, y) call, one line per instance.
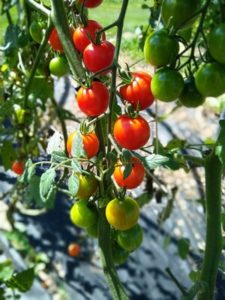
point(39, 7)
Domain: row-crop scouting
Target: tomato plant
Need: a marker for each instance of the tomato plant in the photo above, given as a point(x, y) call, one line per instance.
point(35, 31)
point(190, 96)
point(73, 249)
point(58, 66)
point(55, 42)
point(216, 41)
point(87, 187)
point(18, 167)
point(130, 239)
point(81, 215)
point(119, 255)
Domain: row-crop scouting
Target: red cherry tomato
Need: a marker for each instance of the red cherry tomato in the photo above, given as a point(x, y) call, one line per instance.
point(98, 57)
point(54, 41)
point(138, 90)
point(18, 167)
point(90, 141)
point(73, 249)
point(94, 100)
point(83, 36)
point(135, 177)
point(131, 133)
point(91, 3)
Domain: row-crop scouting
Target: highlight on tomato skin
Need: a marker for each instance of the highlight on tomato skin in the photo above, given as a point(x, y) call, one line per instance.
point(18, 167)
point(134, 179)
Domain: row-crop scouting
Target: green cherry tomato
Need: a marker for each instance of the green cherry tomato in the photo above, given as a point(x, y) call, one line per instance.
point(216, 43)
point(178, 13)
point(167, 84)
point(130, 239)
point(190, 96)
point(160, 48)
point(36, 31)
point(93, 230)
point(119, 255)
point(87, 187)
point(83, 216)
point(210, 79)
point(58, 66)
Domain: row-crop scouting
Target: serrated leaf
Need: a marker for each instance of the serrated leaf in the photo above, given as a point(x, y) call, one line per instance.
point(78, 146)
point(22, 281)
point(76, 166)
point(155, 160)
point(73, 184)
point(58, 156)
point(28, 173)
point(166, 212)
point(183, 247)
point(6, 270)
point(143, 199)
point(47, 184)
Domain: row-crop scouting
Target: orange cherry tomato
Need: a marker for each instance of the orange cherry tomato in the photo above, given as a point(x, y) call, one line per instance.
point(73, 249)
point(18, 167)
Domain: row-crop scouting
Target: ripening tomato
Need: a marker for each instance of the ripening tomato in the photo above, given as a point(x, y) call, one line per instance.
point(119, 254)
point(58, 66)
point(98, 57)
point(82, 215)
point(54, 41)
point(190, 96)
point(130, 239)
point(87, 186)
point(135, 177)
point(18, 167)
point(73, 249)
point(94, 100)
point(90, 141)
point(122, 214)
point(216, 43)
point(138, 91)
point(91, 3)
point(131, 133)
point(83, 36)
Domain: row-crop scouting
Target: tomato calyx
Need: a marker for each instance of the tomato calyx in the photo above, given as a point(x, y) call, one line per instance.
point(85, 127)
point(125, 76)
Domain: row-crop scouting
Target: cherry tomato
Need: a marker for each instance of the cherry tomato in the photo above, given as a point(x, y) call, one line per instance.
point(130, 239)
point(90, 141)
point(87, 187)
point(135, 177)
point(94, 100)
point(131, 133)
point(98, 57)
point(119, 255)
point(18, 167)
point(73, 249)
point(83, 36)
point(138, 90)
point(167, 84)
point(190, 96)
point(210, 79)
point(93, 230)
point(91, 3)
point(58, 66)
point(83, 216)
point(178, 13)
point(216, 43)
point(122, 215)
point(35, 31)
point(160, 48)
point(54, 41)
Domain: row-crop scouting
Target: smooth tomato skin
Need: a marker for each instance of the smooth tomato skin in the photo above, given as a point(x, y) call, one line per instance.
point(73, 249)
point(119, 254)
point(90, 141)
point(131, 133)
point(35, 31)
point(190, 96)
point(122, 215)
point(81, 35)
point(210, 79)
point(81, 215)
point(93, 230)
point(180, 11)
point(87, 187)
point(167, 84)
point(135, 177)
point(216, 43)
point(138, 91)
point(91, 3)
point(55, 42)
point(98, 57)
point(160, 49)
point(58, 66)
point(18, 167)
point(130, 239)
point(94, 100)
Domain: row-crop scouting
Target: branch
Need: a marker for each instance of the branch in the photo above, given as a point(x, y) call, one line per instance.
point(40, 8)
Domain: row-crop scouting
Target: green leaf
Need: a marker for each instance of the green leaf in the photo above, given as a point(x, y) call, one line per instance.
point(73, 184)
point(76, 166)
point(28, 173)
point(33, 191)
point(220, 148)
point(143, 199)
point(155, 160)
point(19, 240)
point(183, 247)
point(195, 276)
point(223, 220)
point(78, 146)
point(41, 88)
point(6, 270)
point(47, 184)
point(166, 212)
point(127, 170)
point(2, 294)
point(175, 144)
point(8, 154)
point(59, 156)
point(22, 281)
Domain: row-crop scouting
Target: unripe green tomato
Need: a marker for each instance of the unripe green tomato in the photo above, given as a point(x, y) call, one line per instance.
point(130, 239)
point(58, 66)
point(216, 43)
point(87, 187)
point(119, 255)
point(83, 216)
point(190, 96)
point(93, 230)
point(160, 48)
point(36, 31)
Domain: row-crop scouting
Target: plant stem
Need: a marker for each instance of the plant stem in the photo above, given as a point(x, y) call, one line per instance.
point(213, 248)
point(40, 8)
